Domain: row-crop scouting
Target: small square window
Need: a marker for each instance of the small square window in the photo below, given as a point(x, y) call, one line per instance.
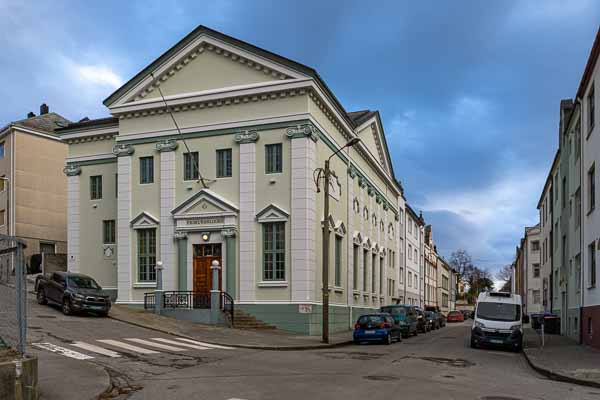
point(223, 163)
point(273, 158)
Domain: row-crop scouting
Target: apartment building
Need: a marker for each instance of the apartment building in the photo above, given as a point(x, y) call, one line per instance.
point(414, 258)
point(528, 271)
point(587, 97)
point(430, 273)
point(33, 188)
point(444, 287)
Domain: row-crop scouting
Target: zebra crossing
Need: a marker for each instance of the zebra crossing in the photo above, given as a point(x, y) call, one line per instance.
point(116, 348)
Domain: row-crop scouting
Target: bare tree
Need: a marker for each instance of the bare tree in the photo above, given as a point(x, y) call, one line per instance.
point(462, 262)
point(505, 273)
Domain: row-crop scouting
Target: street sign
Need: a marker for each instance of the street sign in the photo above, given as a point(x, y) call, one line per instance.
point(305, 308)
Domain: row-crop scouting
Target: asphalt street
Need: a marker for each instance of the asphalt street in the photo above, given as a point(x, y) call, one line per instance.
point(144, 364)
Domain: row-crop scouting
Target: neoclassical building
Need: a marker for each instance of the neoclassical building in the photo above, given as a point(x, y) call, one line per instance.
point(210, 153)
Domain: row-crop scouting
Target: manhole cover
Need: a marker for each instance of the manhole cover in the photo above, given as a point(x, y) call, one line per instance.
point(380, 378)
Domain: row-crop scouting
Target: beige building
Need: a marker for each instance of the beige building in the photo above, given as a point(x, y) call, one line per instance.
point(33, 188)
point(430, 272)
point(445, 287)
point(235, 184)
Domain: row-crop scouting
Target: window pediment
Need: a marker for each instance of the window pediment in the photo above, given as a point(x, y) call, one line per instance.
point(272, 213)
point(144, 220)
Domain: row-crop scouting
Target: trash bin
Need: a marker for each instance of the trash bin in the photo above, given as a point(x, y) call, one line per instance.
point(536, 321)
point(552, 324)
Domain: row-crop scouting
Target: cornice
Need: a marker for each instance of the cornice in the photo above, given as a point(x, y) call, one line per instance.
point(90, 138)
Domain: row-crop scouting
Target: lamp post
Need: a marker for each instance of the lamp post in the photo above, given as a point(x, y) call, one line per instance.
point(326, 175)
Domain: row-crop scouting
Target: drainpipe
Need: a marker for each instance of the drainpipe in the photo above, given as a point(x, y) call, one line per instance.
point(581, 226)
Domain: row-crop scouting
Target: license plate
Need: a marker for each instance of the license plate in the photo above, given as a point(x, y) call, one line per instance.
point(96, 307)
point(369, 332)
point(496, 341)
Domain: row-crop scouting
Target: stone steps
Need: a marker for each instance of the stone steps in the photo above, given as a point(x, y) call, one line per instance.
point(243, 320)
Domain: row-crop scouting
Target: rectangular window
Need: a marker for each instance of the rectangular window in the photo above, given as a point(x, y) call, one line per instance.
point(409, 280)
point(416, 256)
point(365, 268)
point(578, 272)
point(146, 255)
point(373, 269)
point(381, 265)
point(536, 270)
point(592, 188)
point(96, 187)
point(578, 208)
point(338, 261)
point(536, 297)
point(190, 166)
point(592, 263)
point(223, 163)
point(401, 275)
point(564, 192)
point(410, 224)
point(2, 217)
point(48, 248)
point(591, 108)
point(108, 231)
point(146, 170)
point(273, 158)
point(1, 150)
point(535, 245)
point(274, 251)
point(416, 281)
point(355, 267)
point(410, 252)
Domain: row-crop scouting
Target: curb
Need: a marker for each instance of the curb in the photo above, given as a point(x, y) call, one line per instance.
point(241, 346)
point(555, 376)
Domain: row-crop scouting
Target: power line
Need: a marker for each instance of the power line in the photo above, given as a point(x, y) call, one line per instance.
point(196, 166)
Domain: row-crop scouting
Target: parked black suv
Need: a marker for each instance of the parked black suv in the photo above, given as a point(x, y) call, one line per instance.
point(73, 292)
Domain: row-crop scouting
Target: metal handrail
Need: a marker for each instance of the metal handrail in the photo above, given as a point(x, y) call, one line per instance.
point(149, 301)
point(227, 304)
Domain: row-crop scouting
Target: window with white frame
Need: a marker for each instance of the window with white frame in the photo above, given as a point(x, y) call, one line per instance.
point(273, 251)
point(273, 158)
point(146, 255)
point(410, 253)
point(409, 280)
point(108, 231)
point(224, 163)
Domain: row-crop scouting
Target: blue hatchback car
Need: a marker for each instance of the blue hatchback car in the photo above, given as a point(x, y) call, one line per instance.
point(379, 327)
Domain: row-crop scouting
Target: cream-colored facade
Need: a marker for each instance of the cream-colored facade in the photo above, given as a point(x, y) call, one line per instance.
point(225, 94)
point(430, 271)
point(32, 185)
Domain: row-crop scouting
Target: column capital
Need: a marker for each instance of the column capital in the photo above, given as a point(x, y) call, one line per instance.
point(166, 145)
point(178, 235)
point(246, 137)
point(229, 233)
point(121, 150)
point(72, 170)
point(303, 131)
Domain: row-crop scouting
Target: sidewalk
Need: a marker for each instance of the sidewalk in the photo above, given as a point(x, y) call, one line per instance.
point(268, 339)
point(562, 358)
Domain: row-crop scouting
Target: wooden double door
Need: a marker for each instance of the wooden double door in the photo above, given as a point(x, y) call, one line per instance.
point(204, 255)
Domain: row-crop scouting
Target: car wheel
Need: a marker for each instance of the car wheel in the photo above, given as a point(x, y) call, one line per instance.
point(103, 314)
point(518, 347)
point(66, 307)
point(41, 297)
point(473, 344)
point(388, 339)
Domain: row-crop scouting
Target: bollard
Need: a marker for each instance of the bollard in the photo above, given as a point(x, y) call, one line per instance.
point(215, 294)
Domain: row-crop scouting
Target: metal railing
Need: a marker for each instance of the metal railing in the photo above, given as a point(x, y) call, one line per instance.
point(227, 305)
point(183, 299)
point(149, 301)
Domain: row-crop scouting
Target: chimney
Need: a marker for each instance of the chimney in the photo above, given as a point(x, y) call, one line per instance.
point(30, 114)
point(44, 109)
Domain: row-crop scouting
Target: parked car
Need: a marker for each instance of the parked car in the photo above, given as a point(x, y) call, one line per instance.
point(498, 321)
point(455, 316)
point(423, 324)
point(441, 319)
point(467, 314)
point(405, 316)
point(73, 292)
point(379, 327)
point(432, 318)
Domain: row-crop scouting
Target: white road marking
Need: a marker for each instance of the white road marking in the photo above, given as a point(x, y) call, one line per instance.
point(63, 351)
point(192, 346)
point(157, 345)
point(96, 349)
point(213, 346)
point(128, 346)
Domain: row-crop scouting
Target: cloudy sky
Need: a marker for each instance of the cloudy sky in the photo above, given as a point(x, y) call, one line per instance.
point(469, 91)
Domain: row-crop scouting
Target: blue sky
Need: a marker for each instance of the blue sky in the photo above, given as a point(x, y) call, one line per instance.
point(469, 91)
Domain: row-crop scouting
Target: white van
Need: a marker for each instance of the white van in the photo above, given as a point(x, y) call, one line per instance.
point(498, 321)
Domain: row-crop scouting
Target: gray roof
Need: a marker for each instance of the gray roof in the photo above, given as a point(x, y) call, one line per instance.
point(48, 123)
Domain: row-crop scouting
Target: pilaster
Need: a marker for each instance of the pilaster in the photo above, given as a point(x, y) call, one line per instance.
point(303, 212)
point(73, 217)
point(125, 272)
point(349, 240)
point(167, 203)
point(230, 270)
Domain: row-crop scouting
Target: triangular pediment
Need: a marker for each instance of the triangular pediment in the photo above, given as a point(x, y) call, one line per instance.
point(370, 131)
point(144, 220)
point(205, 203)
point(202, 61)
point(272, 213)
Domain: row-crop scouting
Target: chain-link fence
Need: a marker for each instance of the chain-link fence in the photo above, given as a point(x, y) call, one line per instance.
point(13, 294)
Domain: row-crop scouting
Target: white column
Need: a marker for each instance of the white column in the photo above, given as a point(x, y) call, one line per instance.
point(303, 212)
point(124, 268)
point(248, 226)
point(73, 217)
point(167, 224)
point(361, 261)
